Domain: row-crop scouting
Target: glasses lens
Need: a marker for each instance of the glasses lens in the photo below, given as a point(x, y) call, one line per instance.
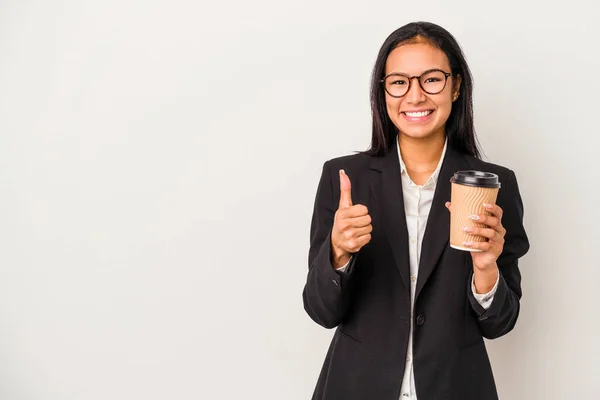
point(396, 85)
point(433, 82)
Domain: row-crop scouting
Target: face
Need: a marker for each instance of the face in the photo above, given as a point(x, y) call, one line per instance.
point(418, 114)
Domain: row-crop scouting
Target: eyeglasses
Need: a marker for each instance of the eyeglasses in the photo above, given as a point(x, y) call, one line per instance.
point(432, 81)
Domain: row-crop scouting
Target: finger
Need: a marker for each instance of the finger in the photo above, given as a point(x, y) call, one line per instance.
point(365, 230)
point(355, 233)
point(345, 190)
point(498, 238)
point(492, 222)
point(448, 206)
point(494, 209)
point(355, 244)
point(363, 240)
point(354, 217)
point(483, 246)
point(360, 222)
point(484, 232)
point(358, 210)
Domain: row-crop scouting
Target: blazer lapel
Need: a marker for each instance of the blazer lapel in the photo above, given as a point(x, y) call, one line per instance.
point(437, 231)
point(386, 185)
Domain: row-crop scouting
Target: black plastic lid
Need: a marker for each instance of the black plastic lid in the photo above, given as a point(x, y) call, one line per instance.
point(476, 178)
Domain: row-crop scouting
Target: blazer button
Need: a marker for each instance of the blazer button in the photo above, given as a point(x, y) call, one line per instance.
point(420, 319)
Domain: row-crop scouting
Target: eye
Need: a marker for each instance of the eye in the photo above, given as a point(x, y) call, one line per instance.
point(428, 80)
point(398, 82)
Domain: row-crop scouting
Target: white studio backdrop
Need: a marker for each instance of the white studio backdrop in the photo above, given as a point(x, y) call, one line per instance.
point(158, 166)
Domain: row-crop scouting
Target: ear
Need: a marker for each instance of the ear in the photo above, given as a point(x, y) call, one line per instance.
point(456, 88)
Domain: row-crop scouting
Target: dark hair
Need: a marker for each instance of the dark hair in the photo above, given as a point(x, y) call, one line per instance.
point(459, 127)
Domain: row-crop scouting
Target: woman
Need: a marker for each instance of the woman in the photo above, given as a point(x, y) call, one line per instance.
point(411, 312)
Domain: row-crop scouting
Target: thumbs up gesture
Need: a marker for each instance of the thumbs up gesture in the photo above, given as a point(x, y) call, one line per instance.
point(351, 225)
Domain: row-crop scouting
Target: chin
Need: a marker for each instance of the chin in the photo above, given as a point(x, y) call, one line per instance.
point(417, 133)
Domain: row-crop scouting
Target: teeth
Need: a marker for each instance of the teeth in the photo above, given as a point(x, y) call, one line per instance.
point(418, 114)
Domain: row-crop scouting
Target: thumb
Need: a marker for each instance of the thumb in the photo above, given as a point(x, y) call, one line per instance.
point(345, 190)
point(449, 206)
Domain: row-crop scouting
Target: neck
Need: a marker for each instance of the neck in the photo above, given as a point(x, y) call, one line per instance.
point(421, 154)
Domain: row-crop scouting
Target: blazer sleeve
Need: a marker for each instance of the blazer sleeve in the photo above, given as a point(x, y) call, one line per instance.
point(501, 317)
point(326, 292)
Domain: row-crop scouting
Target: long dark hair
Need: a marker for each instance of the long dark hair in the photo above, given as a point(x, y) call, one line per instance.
point(459, 127)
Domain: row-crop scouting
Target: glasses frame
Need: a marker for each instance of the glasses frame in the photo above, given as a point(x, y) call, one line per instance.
point(418, 77)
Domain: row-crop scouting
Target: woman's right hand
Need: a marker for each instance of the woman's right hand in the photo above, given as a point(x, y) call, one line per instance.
point(351, 226)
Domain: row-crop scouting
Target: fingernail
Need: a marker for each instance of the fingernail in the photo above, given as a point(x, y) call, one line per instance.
point(474, 217)
point(467, 229)
point(468, 244)
point(342, 171)
point(486, 205)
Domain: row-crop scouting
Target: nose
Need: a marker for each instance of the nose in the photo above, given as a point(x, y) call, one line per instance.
point(415, 94)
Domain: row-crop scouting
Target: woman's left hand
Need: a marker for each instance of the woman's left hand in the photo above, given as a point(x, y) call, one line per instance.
point(491, 249)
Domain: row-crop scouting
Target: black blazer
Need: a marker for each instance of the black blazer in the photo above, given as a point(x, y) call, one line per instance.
point(370, 302)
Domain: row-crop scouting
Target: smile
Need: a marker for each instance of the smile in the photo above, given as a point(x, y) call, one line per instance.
point(418, 114)
point(418, 117)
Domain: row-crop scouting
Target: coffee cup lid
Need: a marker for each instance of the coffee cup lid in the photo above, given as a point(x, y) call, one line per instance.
point(476, 178)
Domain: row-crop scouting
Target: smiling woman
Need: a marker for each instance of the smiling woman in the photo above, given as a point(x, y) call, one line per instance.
point(426, 54)
point(419, 113)
point(411, 311)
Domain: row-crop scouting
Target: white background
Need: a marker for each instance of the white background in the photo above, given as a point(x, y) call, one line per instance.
point(158, 166)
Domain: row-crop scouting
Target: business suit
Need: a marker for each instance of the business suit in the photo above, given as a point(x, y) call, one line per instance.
point(370, 302)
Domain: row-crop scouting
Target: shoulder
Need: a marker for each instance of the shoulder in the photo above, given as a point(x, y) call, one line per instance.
point(353, 164)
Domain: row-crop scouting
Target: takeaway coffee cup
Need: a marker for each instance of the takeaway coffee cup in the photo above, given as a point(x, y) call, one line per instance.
point(470, 190)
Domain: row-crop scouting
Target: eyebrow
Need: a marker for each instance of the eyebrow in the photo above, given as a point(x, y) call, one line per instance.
point(424, 72)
